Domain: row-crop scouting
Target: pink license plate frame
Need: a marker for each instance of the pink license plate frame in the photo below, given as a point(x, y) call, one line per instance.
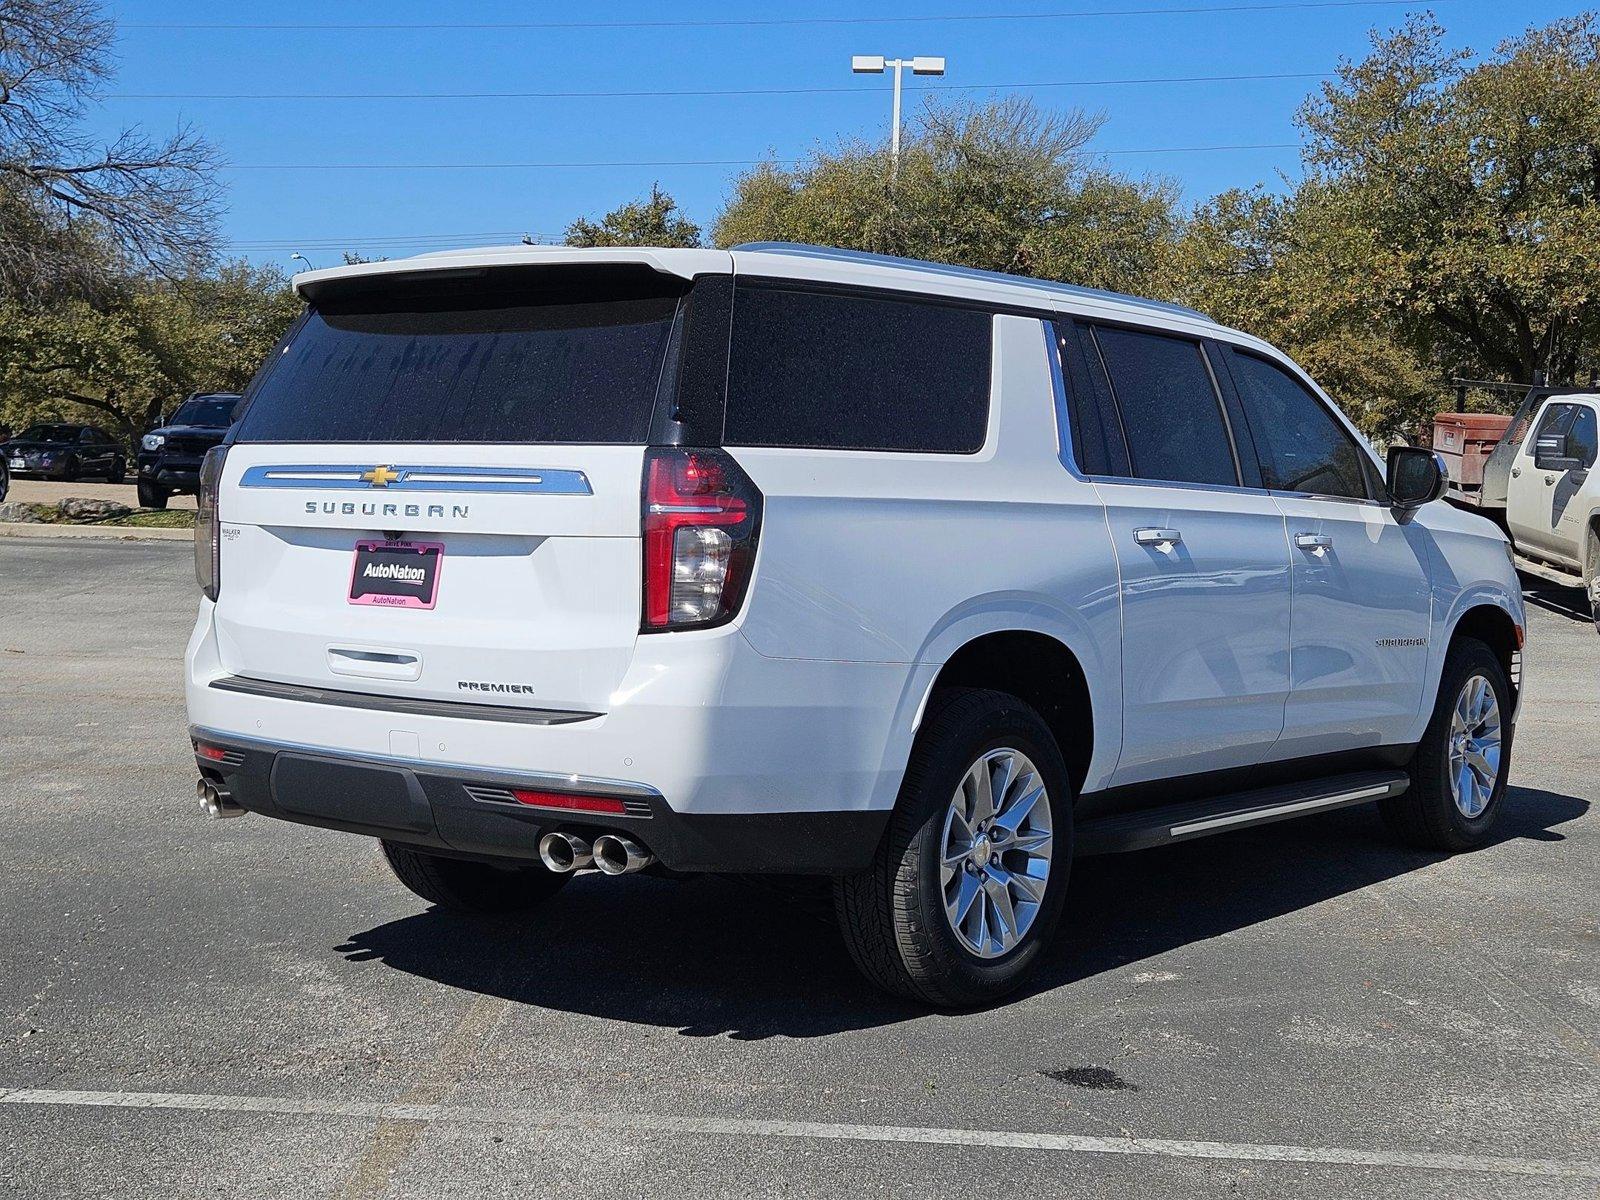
point(430, 557)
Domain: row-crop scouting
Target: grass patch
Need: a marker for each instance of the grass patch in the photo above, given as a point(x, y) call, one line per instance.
point(156, 518)
point(139, 518)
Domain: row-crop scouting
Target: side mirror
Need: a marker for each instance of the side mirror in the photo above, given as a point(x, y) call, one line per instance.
point(1417, 476)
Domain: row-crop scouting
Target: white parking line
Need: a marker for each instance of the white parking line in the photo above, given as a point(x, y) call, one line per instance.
point(735, 1127)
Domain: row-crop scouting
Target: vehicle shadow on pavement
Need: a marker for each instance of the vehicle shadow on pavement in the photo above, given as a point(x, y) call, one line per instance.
point(1126, 908)
point(1569, 602)
point(715, 956)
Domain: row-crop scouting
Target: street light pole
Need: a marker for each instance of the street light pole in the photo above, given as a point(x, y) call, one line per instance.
point(876, 64)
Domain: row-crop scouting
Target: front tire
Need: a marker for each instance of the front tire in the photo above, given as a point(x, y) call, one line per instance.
point(1458, 774)
point(475, 887)
point(151, 495)
point(967, 886)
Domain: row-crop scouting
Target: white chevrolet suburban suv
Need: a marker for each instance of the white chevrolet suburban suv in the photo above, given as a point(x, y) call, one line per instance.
point(799, 561)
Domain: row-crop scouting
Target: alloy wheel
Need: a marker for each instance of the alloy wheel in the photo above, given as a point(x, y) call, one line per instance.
point(1476, 742)
point(995, 852)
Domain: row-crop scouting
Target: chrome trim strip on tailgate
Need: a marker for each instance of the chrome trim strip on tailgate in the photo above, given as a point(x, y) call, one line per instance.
point(410, 705)
point(341, 477)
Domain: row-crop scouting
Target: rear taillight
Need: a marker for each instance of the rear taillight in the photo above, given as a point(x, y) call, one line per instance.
point(701, 518)
point(207, 525)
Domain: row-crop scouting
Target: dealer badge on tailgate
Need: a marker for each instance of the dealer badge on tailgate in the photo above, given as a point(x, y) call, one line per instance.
point(396, 574)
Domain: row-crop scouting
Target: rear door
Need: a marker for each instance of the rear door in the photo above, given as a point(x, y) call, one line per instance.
point(1203, 560)
point(433, 491)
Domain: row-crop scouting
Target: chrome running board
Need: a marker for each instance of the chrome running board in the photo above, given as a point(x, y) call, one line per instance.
point(1238, 810)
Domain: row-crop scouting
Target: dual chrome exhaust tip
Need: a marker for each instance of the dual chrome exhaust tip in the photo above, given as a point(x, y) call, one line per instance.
point(217, 802)
point(610, 853)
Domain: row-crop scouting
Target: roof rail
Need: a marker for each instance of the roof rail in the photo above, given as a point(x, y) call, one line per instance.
point(802, 250)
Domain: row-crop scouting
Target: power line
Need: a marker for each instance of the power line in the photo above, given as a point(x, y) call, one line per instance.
point(379, 242)
point(701, 92)
point(765, 22)
point(685, 162)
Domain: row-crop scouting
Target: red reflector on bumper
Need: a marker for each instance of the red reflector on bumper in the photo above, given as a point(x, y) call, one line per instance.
point(599, 804)
point(214, 753)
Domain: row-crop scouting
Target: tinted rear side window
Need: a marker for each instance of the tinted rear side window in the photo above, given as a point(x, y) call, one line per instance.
point(851, 372)
point(553, 357)
point(1171, 414)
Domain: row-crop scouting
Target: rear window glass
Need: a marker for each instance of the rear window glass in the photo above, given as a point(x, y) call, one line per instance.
point(831, 371)
point(553, 357)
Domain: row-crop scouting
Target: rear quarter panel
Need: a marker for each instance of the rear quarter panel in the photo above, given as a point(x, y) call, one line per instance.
point(904, 558)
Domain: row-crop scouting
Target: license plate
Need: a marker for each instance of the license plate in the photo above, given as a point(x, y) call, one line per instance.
point(396, 574)
point(16, 464)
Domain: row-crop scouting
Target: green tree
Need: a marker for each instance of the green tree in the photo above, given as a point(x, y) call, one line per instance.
point(653, 222)
point(1276, 266)
point(1003, 186)
point(1466, 195)
point(127, 361)
point(1448, 223)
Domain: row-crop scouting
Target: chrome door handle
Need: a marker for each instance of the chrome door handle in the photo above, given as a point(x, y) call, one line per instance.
point(1157, 537)
point(1313, 541)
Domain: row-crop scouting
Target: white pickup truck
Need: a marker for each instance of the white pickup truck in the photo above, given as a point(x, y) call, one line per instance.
point(1540, 484)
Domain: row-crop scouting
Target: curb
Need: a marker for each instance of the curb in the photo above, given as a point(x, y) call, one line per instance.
point(119, 533)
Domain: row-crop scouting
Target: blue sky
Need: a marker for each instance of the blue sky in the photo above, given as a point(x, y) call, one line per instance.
point(278, 200)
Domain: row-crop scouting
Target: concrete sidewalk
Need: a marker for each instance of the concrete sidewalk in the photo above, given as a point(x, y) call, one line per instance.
point(121, 533)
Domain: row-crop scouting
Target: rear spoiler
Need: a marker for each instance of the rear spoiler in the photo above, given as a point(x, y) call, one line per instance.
point(470, 264)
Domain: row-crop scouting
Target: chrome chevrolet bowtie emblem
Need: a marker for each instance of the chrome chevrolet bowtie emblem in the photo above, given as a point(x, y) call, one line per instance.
point(380, 476)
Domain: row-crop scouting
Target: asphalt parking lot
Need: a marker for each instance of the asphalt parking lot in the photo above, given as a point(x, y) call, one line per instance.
point(250, 1008)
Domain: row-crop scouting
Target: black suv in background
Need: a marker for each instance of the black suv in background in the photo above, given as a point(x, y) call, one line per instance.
point(66, 452)
point(169, 457)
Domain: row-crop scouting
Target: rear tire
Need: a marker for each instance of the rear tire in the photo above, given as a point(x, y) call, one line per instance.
point(151, 495)
point(1450, 806)
point(894, 915)
point(477, 887)
point(117, 471)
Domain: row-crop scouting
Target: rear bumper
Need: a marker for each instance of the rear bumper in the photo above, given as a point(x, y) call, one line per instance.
point(743, 762)
point(471, 812)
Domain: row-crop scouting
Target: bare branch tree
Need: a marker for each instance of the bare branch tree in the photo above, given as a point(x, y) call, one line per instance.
point(154, 198)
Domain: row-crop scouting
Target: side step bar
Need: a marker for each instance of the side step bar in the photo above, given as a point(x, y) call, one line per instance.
point(1197, 818)
point(1548, 571)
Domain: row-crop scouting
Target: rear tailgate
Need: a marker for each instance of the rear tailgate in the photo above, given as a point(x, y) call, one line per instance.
point(434, 492)
point(537, 593)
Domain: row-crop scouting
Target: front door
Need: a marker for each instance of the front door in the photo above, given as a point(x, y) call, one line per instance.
point(1541, 500)
point(1362, 602)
